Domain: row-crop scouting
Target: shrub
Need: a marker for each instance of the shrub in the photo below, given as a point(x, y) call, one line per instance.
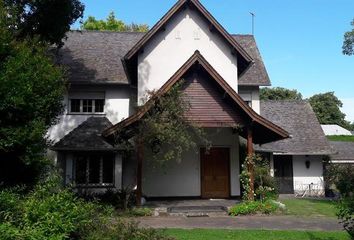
point(47, 212)
point(122, 199)
point(254, 207)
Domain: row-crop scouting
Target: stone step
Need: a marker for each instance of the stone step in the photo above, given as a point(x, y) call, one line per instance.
point(196, 209)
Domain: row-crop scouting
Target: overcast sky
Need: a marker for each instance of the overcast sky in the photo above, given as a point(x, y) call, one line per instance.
point(300, 41)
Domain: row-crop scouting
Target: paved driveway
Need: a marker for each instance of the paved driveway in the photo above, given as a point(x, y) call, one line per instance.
point(247, 222)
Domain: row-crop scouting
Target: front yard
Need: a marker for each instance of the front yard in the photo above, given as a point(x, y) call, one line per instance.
point(213, 234)
point(310, 208)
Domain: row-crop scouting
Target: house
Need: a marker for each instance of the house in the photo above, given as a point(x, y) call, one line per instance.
point(298, 160)
point(333, 129)
point(344, 152)
point(110, 73)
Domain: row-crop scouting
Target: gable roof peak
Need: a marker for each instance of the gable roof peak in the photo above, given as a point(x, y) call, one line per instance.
point(241, 53)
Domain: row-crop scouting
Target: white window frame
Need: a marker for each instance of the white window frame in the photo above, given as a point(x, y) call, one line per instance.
point(88, 184)
point(82, 107)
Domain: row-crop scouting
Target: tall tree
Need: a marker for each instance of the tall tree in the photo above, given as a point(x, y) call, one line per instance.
point(113, 24)
point(327, 108)
point(348, 44)
point(31, 93)
point(48, 19)
point(279, 93)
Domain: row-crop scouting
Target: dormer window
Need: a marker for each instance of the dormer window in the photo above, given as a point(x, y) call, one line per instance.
point(86, 103)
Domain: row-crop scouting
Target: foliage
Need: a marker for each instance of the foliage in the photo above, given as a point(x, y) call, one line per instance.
point(47, 212)
point(254, 207)
point(112, 24)
point(264, 185)
point(165, 129)
point(47, 19)
point(345, 185)
point(279, 93)
point(339, 138)
point(250, 234)
point(348, 44)
point(342, 176)
point(137, 212)
point(122, 199)
point(327, 109)
point(31, 90)
point(245, 177)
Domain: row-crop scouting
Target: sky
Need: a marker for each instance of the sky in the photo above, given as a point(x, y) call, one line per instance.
point(300, 41)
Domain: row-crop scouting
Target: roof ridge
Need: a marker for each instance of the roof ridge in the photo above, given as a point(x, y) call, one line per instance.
point(105, 31)
point(285, 100)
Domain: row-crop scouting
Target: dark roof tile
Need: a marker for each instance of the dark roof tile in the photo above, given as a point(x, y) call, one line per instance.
point(94, 57)
point(344, 151)
point(257, 74)
point(298, 118)
point(87, 136)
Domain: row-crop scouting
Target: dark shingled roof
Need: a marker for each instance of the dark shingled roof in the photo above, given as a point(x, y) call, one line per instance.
point(298, 118)
point(94, 57)
point(87, 136)
point(257, 74)
point(345, 151)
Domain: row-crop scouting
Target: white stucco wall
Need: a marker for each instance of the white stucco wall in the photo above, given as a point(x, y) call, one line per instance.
point(117, 107)
point(313, 175)
point(251, 94)
point(168, 50)
point(183, 179)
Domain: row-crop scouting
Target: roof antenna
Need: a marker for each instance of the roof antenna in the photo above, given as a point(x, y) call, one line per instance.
point(253, 16)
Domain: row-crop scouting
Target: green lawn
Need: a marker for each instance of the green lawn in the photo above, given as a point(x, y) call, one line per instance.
point(340, 138)
point(310, 208)
point(211, 234)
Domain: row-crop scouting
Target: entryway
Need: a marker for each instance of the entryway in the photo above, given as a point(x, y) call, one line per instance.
point(283, 172)
point(215, 172)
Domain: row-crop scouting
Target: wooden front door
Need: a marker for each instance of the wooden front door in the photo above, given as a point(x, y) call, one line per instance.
point(283, 172)
point(215, 173)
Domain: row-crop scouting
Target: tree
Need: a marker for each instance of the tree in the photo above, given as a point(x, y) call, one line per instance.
point(31, 90)
point(327, 109)
point(112, 24)
point(48, 19)
point(279, 93)
point(348, 44)
point(342, 177)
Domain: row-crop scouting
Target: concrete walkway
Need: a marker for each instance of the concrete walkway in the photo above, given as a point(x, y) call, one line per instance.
point(247, 222)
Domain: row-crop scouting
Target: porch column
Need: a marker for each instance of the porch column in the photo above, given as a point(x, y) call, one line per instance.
point(139, 173)
point(250, 153)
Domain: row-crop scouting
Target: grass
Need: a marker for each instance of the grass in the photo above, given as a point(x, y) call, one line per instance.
point(310, 208)
point(211, 234)
point(136, 212)
point(341, 138)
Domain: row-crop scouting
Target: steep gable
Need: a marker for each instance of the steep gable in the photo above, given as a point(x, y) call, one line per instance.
point(187, 27)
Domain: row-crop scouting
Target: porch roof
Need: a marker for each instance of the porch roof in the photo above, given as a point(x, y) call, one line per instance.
point(264, 130)
point(86, 137)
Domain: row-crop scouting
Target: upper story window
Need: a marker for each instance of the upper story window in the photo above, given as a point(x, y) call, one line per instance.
point(247, 97)
point(86, 103)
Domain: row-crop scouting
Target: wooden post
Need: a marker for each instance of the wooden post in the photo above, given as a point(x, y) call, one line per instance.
point(139, 173)
point(250, 153)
